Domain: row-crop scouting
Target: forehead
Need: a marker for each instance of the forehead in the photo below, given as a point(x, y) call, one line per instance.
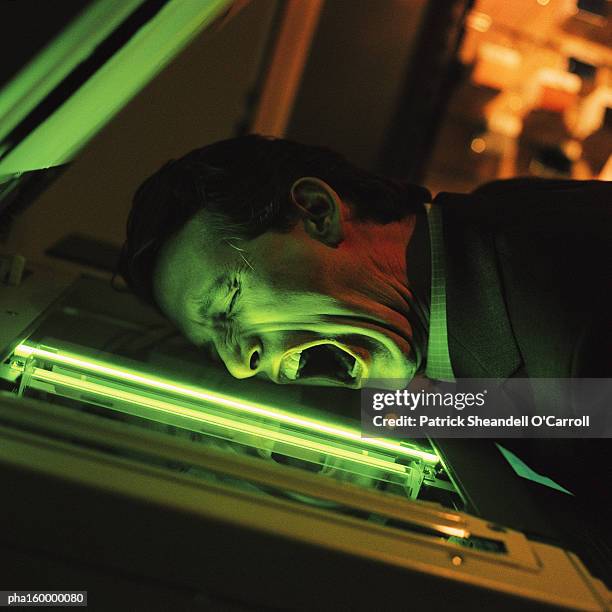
point(188, 264)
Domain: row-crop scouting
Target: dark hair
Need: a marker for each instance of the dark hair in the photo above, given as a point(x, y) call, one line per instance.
point(245, 182)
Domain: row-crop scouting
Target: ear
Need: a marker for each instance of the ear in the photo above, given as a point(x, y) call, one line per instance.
point(320, 208)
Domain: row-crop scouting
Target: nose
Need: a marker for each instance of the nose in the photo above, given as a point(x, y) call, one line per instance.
point(243, 359)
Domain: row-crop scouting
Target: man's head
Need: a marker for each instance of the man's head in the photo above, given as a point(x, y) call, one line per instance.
point(286, 259)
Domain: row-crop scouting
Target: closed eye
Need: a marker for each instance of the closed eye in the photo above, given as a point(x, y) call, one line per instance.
point(233, 301)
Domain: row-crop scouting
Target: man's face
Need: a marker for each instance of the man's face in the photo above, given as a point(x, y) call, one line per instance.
point(324, 304)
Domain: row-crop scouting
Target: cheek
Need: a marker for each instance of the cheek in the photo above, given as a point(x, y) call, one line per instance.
point(290, 265)
point(293, 270)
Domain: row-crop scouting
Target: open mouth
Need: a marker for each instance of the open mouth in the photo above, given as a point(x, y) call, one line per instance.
point(323, 360)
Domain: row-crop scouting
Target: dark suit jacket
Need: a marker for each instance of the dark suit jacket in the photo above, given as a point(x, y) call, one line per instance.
point(529, 293)
point(529, 278)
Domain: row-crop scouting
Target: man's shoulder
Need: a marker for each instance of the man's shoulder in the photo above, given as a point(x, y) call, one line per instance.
point(522, 185)
point(545, 204)
point(544, 245)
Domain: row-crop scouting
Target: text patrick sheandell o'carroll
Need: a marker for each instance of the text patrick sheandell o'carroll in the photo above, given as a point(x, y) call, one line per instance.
point(569, 408)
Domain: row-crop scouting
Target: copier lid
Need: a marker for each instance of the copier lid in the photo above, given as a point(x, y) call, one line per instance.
point(78, 63)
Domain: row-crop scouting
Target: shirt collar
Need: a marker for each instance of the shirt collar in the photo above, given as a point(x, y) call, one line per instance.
point(439, 364)
point(480, 336)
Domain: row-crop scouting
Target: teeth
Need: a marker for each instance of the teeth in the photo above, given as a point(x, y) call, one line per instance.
point(291, 365)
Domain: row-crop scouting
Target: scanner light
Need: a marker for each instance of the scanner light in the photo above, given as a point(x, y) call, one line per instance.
point(241, 407)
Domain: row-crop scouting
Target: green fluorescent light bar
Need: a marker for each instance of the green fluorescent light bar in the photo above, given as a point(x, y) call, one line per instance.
point(132, 376)
point(57, 139)
point(203, 417)
point(57, 60)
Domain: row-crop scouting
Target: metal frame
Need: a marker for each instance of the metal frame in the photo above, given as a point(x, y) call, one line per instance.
point(284, 73)
point(22, 306)
point(35, 450)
